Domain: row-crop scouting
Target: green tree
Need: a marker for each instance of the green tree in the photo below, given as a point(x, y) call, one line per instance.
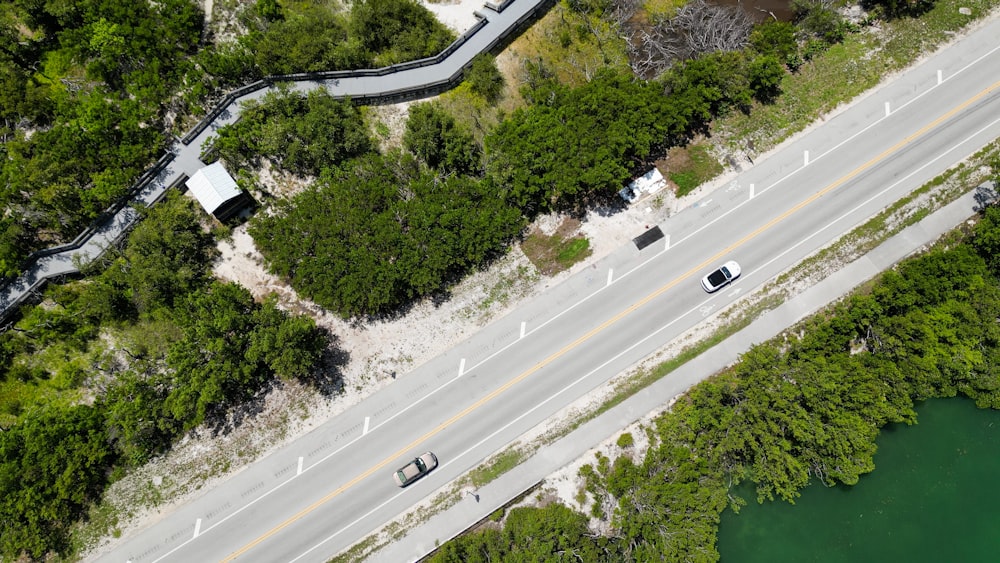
point(290, 346)
point(484, 78)
point(231, 349)
point(820, 19)
point(313, 41)
point(394, 31)
point(302, 134)
point(210, 371)
point(269, 10)
point(893, 9)
point(775, 38)
point(168, 256)
point(986, 237)
point(137, 424)
point(765, 75)
point(434, 137)
point(552, 533)
point(383, 231)
point(582, 144)
point(52, 467)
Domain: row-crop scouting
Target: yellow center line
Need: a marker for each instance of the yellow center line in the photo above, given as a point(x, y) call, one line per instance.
point(603, 326)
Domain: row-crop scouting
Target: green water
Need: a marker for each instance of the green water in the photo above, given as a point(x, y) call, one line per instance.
point(934, 497)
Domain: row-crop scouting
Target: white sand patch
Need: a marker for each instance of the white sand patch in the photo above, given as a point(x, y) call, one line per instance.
point(240, 262)
point(456, 14)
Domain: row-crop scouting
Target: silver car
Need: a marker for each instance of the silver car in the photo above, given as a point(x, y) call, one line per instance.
point(720, 277)
point(420, 466)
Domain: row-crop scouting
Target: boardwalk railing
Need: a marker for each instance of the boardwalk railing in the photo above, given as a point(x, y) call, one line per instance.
point(15, 292)
point(383, 97)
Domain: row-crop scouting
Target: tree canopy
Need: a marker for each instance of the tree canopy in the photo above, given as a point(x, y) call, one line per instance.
point(381, 231)
point(580, 144)
point(197, 349)
point(433, 136)
point(301, 134)
point(52, 467)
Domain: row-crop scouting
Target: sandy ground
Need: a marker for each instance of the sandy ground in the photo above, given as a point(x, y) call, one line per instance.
point(458, 15)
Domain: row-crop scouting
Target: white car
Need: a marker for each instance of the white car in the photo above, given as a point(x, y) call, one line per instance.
point(720, 277)
point(417, 468)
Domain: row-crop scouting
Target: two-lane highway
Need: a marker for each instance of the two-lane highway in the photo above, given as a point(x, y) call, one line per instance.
point(325, 491)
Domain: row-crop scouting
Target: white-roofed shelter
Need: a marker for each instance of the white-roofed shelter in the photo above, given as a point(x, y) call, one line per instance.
point(216, 191)
point(649, 183)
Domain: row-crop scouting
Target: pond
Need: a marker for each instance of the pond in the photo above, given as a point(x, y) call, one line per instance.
point(934, 496)
point(761, 10)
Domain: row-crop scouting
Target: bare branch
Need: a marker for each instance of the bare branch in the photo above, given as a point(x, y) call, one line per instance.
point(697, 28)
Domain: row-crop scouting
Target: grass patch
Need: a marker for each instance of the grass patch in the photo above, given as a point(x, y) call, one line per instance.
point(496, 466)
point(573, 251)
point(691, 166)
point(554, 253)
point(570, 45)
point(662, 8)
point(473, 112)
point(358, 551)
point(845, 71)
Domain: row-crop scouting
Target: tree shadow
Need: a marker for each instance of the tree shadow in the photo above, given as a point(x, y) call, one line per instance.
point(222, 419)
point(328, 375)
point(985, 196)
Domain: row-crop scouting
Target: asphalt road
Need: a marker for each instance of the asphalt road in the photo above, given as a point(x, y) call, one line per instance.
point(317, 496)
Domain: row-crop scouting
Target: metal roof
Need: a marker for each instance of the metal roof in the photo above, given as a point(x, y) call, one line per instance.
point(212, 186)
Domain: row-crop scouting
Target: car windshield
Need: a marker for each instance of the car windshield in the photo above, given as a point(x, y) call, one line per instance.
point(717, 278)
point(725, 271)
point(420, 464)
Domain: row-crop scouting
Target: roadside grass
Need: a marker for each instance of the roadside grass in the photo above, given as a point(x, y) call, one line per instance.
point(689, 167)
point(573, 251)
point(845, 71)
point(102, 521)
point(495, 466)
point(554, 253)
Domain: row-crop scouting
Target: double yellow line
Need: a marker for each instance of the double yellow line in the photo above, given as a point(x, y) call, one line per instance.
point(603, 326)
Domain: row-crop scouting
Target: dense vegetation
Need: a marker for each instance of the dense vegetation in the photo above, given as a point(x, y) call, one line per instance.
point(85, 84)
point(383, 231)
point(92, 90)
point(111, 370)
point(284, 38)
point(575, 146)
point(301, 134)
point(378, 231)
point(803, 408)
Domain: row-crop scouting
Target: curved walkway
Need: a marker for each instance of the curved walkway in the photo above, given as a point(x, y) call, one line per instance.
point(404, 81)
